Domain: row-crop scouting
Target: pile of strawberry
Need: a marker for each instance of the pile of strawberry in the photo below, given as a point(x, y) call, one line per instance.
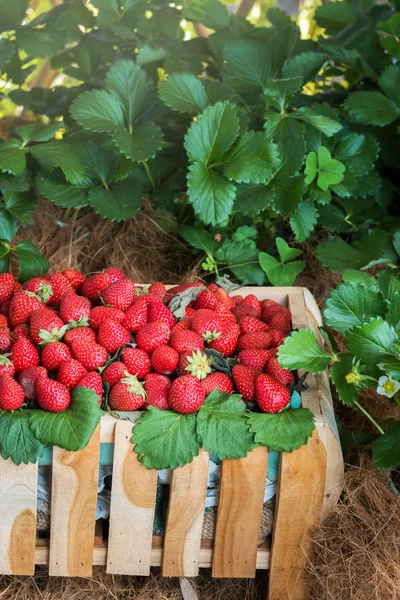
point(107, 334)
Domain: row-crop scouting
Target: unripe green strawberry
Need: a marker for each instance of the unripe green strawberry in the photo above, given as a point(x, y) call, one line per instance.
point(136, 361)
point(92, 381)
point(112, 336)
point(120, 294)
point(152, 335)
point(12, 394)
point(164, 360)
point(52, 395)
point(186, 394)
point(127, 394)
point(271, 395)
point(91, 356)
point(24, 354)
point(54, 355)
point(70, 373)
point(217, 380)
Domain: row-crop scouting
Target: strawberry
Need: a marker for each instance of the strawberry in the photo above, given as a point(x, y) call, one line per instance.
point(237, 299)
point(5, 309)
point(27, 379)
point(208, 324)
point(24, 354)
point(114, 372)
point(75, 278)
point(70, 373)
point(276, 371)
point(99, 314)
point(244, 310)
point(120, 294)
point(217, 380)
point(157, 388)
point(253, 301)
point(277, 337)
point(112, 336)
point(271, 395)
point(251, 324)
point(20, 331)
point(127, 394)
point(189, 311)
point(93, 381)
point(206, 299)
point(22, 306)
point(7, 282)
point(186, 394)
point(157, 289)
point(94, 286)
point(41, 287)
point(46, 326)
point(226, 344)
point(80, 333)
point(17, 287)
point(91, 355)
point(6, 366)
point(181, 325)
point(59, 285)
point(270, 308)
point(196, 364)
point(245, 381)
point(152, 335)
point(52, 395)
point(74, 308)
point(3, 321)
point(251, 341)
point(255, 358)
point(12, 394)
point(164, 360)
point(159, 312)
point(178, 289)
point(281, 321)
point(114, 274)
point(136, 315)
point(225, 314)
point(186, 341)
point(212, 287)
point(5, 340)
point(223, 298)
point(54, 355)
point(136, 361)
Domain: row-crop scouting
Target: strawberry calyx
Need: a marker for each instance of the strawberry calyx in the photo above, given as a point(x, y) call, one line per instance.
point(199, 364)
point(134, 385)
point(4, 360)
point(210, 336)
point(81, 322)
point(44, 292)
point(55, 335)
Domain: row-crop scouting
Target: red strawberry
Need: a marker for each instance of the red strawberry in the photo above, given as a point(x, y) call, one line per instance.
point(158, 289)
point(245, 381)
point(3, 321)
point(41, 287)
point(5, 309)
point(92, 356)
point(5, 340)
point(223, 298)
point(181, 325)
point(237, 299)
point(127, 394)
point(186, 394)
point(92, 381)
point(46, 326)
point(114, 372)
point(252, 300)
point(186, 341)
point(196, 364)
point(94, 286)
point(114, 274)
point(99, 314)
point(251, 324)
point(256, 359)
point(80, 333)
point(226, 344)
point(159, 312)
point(70, 373)
point(22, 306)
point(281, 321)
point(251, 341)
point(271, 395)
point(24, 354)
point(74, 308)
point(27, 379)
point(7, 282)
point(20, 331)
point(136, 361)
point(189, 311)
point(270, 308)
point(208, 324)
point(206, 299)
point(164, 360)
point(276, 371)
point(120, 294)
point(17, 287)
point(225, 314)
point(277, 337)
point(217, 380)
point(6, 366)
point(212, 287)
point(152, 335)
point(75, 278)
point(52, 395)
point(59, 285)
point(54, 355)
point(157, 387)
point(178, 289)
point(136, 315)
point(11, 393)
point(112, 336)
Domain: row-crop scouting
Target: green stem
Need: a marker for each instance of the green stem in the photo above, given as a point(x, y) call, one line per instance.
point(149, 175)
point(366, 413)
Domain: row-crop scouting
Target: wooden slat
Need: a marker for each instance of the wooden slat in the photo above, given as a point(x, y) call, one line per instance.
point(239, 515)
point(185, 518)
point(133, 499)
point(18, 494)
point(300, 497)
point(73, 509)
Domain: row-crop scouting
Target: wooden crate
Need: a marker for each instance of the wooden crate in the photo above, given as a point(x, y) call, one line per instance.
point(309, 483)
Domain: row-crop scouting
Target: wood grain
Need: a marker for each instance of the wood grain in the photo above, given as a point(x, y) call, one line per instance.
point(133, 499)
point(73, 509)
point(185, 518)
point(239, 515)
point(18, 497)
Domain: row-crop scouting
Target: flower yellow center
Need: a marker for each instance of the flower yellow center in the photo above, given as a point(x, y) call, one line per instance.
point(389, 387)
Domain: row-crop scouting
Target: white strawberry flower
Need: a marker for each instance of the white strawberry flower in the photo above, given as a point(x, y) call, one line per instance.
point(387, 386)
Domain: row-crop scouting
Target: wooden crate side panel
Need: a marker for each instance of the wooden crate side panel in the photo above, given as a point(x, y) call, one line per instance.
point(18, 498)
point(133, 499)
point(185, 518)
point(239, 515)
point(73, 509)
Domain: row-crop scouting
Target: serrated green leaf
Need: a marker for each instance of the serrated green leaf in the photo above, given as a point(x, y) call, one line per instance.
point(359, 277)
point(142, 144)
point(303, 221)
point(389, 81)
point(358, 153)
point(199, 238)
point(17, 440)
point(183, 92)
point(287, 194)
point(242, 259)
point(338, 255)
point(306, 65)
point(14, 183)
point(4, 257)
point(210, 13)
point(12, 157)
point(286, 253)
point(19, 204)
point(57, 190)
point(391, 366)
point(253, 159)
point(280, 92)
point(386, 449)
point(347, 392)
point(282, 432)
point(393, 313)
point(119, 202)
point(41, 42)
point(222, 428)
point(371, 108)
point(31, 262)
point(8, 226)
point(59, 154)
point(280, 274)
point(372, 341)
point(301, 351)
point(165, 439)
point(246, 67)
point(252, 199)
point(7, 51)
point(38, 133)
point(211, 195)
point(72, 428)
point(326, 125)
point(335, 16)
point(98, 111)
point(130, 85)
point(289, 137)
point(278, 18)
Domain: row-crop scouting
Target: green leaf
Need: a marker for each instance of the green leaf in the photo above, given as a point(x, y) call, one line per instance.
point(57, 190)
point(131, 86)
point(335, 16)
point(98, 110)
point(19, 204)
point(31, 262)
point(199, 238)
point(386, 449)
point(301, 351)
point(183, 92)
point(359, 277)
point(12, 157)
point(14, 183)
point(390, 42)
point(59, 154)
point(213, 134)
point(142, 144)
point(371, 108)
point(282, 432)
point(289, 137)
point(12, 12)
point(242, 259)
point(38, 133)
point(352, 304)
point(303, 221)
point(252, 199)
point(210, 13)
point(393, 313)
point(391, 365)
point(285, 251)
point(280, 92)
point(358, 153)
point(119, 202)
point(17, 440)
point(72, 428)
point(306, 65)
point(347, 392)
point(372, 341)
point(253, 159)
point(7, 51)
point(211, 195)
point(280, 274)
point(165, 439)
point(222, 428)
point(324, 124)
point(389, 81)
point(8, 226)
point(329, 170)
point(339, 255)
point(4, 257)
point(287, 194)
point(246, 67)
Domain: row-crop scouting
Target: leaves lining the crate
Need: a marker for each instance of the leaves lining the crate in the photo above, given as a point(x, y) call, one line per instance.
point(285, 431)
point(17, 439)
